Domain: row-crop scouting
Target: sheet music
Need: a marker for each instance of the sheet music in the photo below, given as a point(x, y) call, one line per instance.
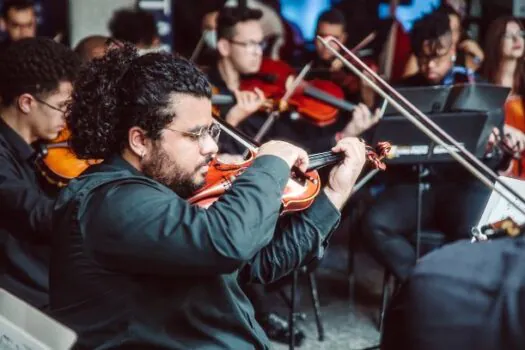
point(499, 208)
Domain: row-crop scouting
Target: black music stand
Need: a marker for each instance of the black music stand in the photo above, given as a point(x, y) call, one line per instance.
point(428, 99)
point(411, 146)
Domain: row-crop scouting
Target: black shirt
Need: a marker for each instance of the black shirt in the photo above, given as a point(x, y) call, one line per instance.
point(25, 220)
point(134, 266)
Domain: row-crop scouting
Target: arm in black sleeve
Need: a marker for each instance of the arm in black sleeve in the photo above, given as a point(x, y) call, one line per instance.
point(24, 204)
point(140, 229)
point(299, 239)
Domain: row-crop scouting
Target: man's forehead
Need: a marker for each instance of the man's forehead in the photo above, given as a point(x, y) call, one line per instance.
point(18, 15)
point(189, 110)
point(440, 46)
point(326, 28)
point(249, 30)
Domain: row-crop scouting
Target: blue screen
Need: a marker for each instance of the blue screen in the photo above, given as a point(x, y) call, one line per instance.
point(407, 14)
point(304, 14)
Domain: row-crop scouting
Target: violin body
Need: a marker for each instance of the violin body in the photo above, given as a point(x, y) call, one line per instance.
point(58, 164)
point(319, 113)
point(272, 78)
point(515, 117)
point(299, 193)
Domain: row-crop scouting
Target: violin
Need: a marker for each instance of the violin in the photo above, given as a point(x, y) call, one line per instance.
point(301, 189)
point(314, 99)
point(57, 163)
point(515, 117)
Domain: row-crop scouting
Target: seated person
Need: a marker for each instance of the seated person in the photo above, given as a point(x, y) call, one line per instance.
point(93, 46)
point(36, 76)
point(469, 53)
point(455, 198)
point(239, 46)
point(18, 20)
point(135, 26)
point(466, 296)
point(135, 265)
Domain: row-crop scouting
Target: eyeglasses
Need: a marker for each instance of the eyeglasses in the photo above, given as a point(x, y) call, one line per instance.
point(214, 130)
point(250, 46)
point(515, 36)
point(49, 105)
point(437, 59)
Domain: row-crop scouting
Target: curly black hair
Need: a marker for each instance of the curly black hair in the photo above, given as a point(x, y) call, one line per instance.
point(17, 5)
point(431, 28)
point(135, 26)
point(229, 16)
point(122, 90)
point(35, 66)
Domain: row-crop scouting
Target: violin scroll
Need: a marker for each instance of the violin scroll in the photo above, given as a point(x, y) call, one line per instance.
point(375, 155)
point(503, 228)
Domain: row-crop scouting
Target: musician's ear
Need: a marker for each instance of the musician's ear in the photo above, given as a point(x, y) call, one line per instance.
point(2, 24)
point(223, 46)
point(137, 141)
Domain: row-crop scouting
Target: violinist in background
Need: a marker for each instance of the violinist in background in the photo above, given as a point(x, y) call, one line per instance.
point(18, 20)
point(436, 54)
point(325, 66)
point(240, 44)
point(90, 47)
point(468, 52)
point(506, 67)
point(455, 199)
point(35, 84)
point(135, 265)
point(205, 53)
point(135, 26)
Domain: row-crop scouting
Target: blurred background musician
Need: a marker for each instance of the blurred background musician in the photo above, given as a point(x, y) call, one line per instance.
point(505, 67)
point(455, 199)
point(18, 21)
point(36, 76)
point(135, 26)
point(468, 52)
point(90, 47)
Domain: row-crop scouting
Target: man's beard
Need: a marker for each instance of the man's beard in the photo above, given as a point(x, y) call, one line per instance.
point(161, 168)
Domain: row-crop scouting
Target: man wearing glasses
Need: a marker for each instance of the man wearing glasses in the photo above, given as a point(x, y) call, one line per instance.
point(35, 85)
point(240, 44)
point(135, 265)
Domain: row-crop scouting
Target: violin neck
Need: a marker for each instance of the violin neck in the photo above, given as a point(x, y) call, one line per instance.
point(321, 160)
point(320, 95)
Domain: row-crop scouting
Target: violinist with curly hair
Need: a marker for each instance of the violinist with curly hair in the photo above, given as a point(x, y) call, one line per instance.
point(135, 266)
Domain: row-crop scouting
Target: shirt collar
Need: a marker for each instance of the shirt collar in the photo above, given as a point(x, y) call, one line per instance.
point(116, 161)
point(16, 142)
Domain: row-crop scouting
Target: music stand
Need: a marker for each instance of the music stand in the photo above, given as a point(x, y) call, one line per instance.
point(428, 99)
point(411, 147)
point(476, 97)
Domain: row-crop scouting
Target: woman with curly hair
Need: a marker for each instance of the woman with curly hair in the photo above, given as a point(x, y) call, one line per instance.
point(136, 266)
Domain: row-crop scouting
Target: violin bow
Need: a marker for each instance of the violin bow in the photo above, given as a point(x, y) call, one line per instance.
point(470, 162)
point(198, 48)
point(275, 113)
